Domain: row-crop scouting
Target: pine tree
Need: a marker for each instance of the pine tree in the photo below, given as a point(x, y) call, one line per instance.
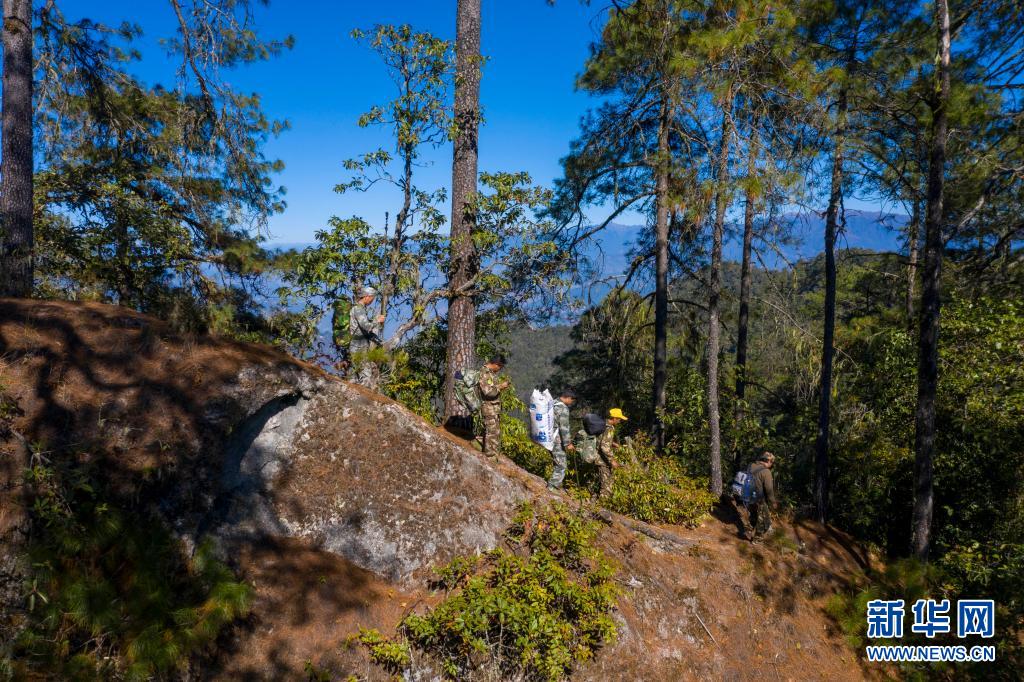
point(16, 233)
point(846, 40)
point(463, 268)
point(152, 198)
point(928, 339)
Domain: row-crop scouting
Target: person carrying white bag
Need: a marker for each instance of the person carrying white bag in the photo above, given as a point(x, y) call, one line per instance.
point(542, 419)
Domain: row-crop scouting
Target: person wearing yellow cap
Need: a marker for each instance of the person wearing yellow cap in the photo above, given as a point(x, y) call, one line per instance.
point(606, 447)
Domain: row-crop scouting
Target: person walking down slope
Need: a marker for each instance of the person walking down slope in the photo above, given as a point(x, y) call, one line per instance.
point(365, 337)
point(606, 447)
point(491, 385)
point(562, 437)
point(756, 515)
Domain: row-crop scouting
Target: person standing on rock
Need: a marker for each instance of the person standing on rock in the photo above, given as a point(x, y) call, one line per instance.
point(756, 516)
point(562, 438)
point(491, 385)
point(365, 337)
point(606, 447)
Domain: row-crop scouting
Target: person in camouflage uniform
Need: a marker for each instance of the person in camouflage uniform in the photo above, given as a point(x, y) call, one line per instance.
point(365, 336)
point(562, 437)
point(606, 447)
point(491, 385)
point(757, 516)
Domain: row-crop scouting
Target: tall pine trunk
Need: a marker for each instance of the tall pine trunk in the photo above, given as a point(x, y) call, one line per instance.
point(16, 151)
point(928, 341)
point(661, 277)
point(464, 266)
point(913, 245)
point(742, 330)
point(721, 205)
point(15, 280)
point(821, 445)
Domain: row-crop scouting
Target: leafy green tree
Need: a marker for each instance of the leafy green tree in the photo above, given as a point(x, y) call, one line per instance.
point(149, 197)
point(520, 259)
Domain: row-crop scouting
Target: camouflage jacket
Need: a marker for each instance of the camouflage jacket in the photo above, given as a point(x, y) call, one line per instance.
point(364, 330)
point(490, 385)
point(606, 444)
point(564, 438)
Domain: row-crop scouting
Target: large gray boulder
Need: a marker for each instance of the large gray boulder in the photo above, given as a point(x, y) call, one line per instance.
point(359, 476)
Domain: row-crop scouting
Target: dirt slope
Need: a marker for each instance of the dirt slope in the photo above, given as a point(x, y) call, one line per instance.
point(335, 503)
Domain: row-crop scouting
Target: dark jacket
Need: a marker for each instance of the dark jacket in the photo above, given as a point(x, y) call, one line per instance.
point(764, 484)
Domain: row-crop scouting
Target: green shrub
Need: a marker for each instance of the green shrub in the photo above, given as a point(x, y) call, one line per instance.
point(517, 446)
point(531, 611)
point(656, 489)
point(111, 594)
point(389, 654)
point(910, 580)
point(907, 579)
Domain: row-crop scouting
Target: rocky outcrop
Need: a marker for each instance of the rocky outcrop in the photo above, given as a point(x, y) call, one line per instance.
point(335, 503)
point(359, 476)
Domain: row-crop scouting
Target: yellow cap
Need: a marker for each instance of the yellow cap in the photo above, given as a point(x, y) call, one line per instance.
point(616, 413)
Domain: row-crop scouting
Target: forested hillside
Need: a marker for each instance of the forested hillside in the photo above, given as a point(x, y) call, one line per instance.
point(532, 354)
point(767, 254)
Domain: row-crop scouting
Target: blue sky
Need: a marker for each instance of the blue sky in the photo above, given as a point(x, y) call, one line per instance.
point(323, 85)
point(327, 80)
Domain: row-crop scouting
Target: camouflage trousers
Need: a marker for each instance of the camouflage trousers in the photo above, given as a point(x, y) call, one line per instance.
point(756, 519)
point(558, 473)
point(604, 478)
point(490, 411)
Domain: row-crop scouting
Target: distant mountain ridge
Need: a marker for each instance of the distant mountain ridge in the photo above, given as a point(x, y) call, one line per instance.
point(611, 249)
point(872, 230)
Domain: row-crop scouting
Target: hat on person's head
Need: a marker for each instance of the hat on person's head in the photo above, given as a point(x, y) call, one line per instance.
point(567, 393)
point(367, 291)
point(616, 413)
point(498, 360)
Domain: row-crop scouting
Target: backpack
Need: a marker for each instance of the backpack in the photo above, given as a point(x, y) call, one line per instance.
point(467, 389)
point(341, 335)
point(594, 424)
point(587, 447)
point(542, 419)
point(744, 487)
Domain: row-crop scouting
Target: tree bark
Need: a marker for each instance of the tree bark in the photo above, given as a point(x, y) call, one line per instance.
point(821, 445)
point(744, 315)
point(721, 205)
point(16, 249)
point(928, 340)
point(913, 239)
point(661, 278)
point(461, 306)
